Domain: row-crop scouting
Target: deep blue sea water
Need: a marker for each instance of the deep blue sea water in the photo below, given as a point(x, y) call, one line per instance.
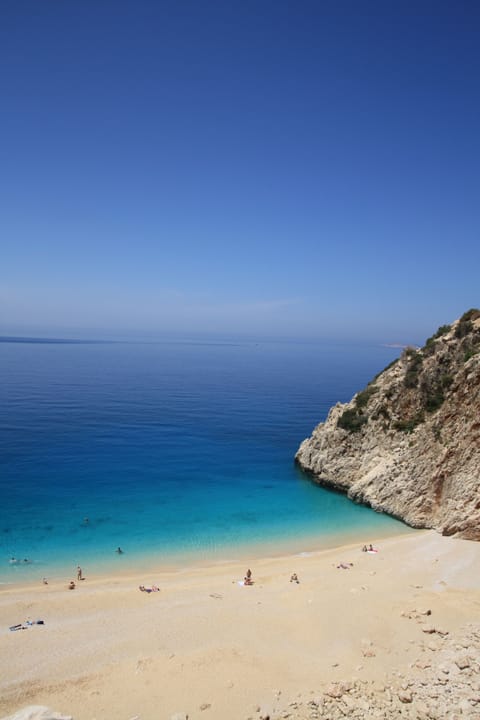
point(171, 450)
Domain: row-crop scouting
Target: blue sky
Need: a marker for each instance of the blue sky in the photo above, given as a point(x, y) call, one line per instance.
point(291, 169)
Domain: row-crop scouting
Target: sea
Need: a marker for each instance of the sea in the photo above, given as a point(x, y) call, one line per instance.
point(177, 452)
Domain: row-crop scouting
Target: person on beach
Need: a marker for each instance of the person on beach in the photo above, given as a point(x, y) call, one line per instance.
point(294, 578)
point(71, 585)
point(45, 581)
point(79, 573)
point(247, 580)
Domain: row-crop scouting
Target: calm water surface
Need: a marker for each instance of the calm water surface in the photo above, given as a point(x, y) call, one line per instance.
point(171, 450)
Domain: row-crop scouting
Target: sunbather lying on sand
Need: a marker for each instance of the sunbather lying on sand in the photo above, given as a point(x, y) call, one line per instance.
point(154, 588)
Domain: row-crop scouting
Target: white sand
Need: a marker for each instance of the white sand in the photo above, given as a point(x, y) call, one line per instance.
point(108, 651)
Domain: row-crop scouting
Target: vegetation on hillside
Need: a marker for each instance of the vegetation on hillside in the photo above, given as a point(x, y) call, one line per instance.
point(428, 377)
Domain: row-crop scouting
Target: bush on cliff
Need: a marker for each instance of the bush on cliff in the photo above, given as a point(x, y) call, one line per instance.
point(351, 420)
point(429, 347)
point(364, 396)
point(415, 360)
point(463, 328)
point(408, 425)
point(472, 314)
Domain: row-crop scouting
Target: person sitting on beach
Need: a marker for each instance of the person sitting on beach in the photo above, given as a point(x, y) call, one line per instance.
point(248, 574)
point(364, 548)
point(247, 580)
point(294, 578)
point(71, 585)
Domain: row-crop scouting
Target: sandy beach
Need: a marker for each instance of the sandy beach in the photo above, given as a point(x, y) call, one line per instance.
point(209, 647)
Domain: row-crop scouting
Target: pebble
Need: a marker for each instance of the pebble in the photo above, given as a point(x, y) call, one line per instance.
point(447, 688)
point(405, 696)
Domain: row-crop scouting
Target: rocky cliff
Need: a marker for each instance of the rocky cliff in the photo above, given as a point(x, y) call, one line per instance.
point(409, 443)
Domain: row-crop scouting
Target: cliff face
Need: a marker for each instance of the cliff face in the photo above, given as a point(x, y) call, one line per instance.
point(409, 444)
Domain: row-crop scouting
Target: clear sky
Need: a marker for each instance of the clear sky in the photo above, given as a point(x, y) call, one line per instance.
point(261, 168)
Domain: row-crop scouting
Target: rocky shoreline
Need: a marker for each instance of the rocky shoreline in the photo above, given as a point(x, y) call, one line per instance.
point(409, 443)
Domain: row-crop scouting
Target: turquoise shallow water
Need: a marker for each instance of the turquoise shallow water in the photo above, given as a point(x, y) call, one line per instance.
point(177, 452)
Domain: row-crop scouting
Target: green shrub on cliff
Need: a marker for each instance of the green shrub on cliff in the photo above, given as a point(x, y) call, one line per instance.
point(445, 381)
point(364, 396)
point(434, 400)
point(463, 328)
point(415, 360)
point(351, 420)
point(465, 325)
point(408, 425)
point(472, 314)
point(469, 354)
point(429, 346)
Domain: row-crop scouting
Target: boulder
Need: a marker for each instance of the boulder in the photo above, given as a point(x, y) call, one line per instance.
point(37, 712)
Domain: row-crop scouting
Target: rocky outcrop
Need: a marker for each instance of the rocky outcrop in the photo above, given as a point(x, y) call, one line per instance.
point(409, 443)
point(443, 682)
point(38, 712)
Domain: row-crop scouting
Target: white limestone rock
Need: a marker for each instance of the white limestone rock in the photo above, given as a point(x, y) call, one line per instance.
point(37, 712)
point(412, 443)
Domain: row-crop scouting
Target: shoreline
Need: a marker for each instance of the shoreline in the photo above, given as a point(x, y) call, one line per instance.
point(107, 650)
point(130, 565)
